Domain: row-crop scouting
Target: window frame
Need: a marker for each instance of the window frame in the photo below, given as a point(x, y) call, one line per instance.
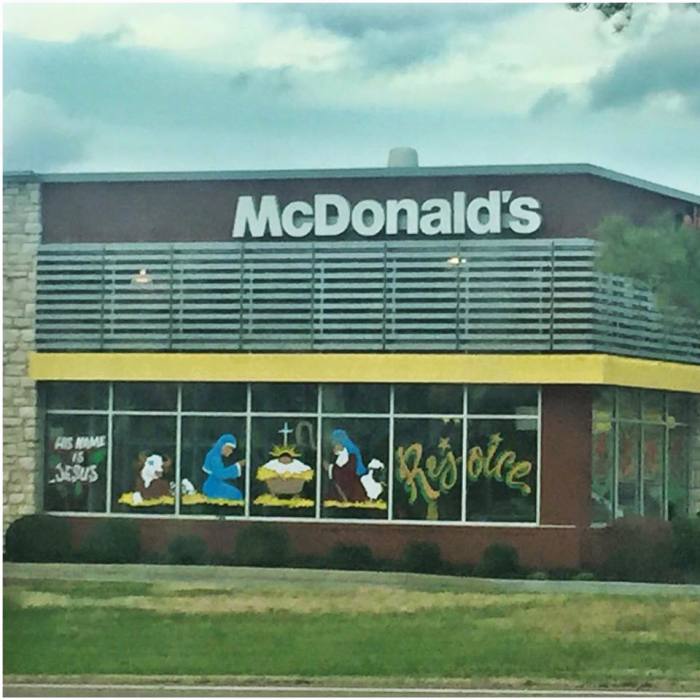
point(249, 415)
point(617, 423)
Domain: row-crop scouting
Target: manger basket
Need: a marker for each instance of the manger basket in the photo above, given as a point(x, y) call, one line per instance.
point(284, 487)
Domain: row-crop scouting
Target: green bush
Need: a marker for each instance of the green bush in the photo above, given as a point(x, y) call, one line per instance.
point(639, 549)
point(686, 543)
point(538, 576)
point(262, 544)
point(464, 569)
point(112, 541)
point(307, 561)
point(422, 558)
point(583, 576)
point(350, 556)
point(498, 561)
point(39, 538)
point(562, 573)
point(188, 549)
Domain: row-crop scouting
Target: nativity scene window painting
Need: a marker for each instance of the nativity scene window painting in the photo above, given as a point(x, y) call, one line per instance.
point(332, 451)
point(143, 475)
point(354, 468)
point(213, 465)
point(283, 474)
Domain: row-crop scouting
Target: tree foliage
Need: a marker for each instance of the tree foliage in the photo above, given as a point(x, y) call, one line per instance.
point(661, 254)
point(620, 11)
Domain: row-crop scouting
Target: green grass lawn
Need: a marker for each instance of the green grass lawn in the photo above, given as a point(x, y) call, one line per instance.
point(318, 624)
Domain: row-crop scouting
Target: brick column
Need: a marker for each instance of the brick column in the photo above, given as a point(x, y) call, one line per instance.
point(21, 235)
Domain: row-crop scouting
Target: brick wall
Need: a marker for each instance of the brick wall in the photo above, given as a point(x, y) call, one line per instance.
point(21, 234)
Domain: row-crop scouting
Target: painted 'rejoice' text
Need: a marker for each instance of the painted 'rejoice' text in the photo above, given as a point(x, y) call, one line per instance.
point(332, 214)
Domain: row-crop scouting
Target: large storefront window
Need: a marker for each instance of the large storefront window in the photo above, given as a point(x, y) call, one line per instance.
point(410, 452)
point(640, 455)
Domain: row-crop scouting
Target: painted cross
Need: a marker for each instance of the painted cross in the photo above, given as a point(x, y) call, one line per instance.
point(286, 430)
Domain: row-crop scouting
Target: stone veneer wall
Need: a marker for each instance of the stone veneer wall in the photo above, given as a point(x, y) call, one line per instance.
point(694, 500)
point(21, 235)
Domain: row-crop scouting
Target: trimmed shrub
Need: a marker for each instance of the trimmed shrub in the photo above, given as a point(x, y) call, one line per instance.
point(422, 558)
point(262, 544)
point(307, 561)
point(538, 576)
point(498, 561)
point(562, 574)
point(639, 549)
point(583, 576)
point(187, 549)
point(39, 538)
point(112, 542)
point(351, 556)
point(686, 543)
point(464, 569)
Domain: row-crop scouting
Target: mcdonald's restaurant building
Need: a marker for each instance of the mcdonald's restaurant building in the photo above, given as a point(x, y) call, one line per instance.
point(370, 356)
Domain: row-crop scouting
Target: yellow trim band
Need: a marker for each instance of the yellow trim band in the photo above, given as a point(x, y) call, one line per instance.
point(354, 367)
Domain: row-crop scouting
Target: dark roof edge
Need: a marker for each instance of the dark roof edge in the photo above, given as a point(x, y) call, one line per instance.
point(537, 169)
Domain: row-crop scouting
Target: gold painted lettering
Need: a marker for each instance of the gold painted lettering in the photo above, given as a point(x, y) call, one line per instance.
point(519, 470)
point(475, 463)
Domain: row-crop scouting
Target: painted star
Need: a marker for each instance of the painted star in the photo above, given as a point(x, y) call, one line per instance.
point(444, 444)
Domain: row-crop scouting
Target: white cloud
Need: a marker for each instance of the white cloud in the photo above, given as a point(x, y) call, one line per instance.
point(241, 37)
point(38, 134)
point(53, 22)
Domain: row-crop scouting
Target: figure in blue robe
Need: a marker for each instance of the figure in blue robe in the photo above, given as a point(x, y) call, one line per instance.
point(347, 470)
point(216, 484)
point(340, 437)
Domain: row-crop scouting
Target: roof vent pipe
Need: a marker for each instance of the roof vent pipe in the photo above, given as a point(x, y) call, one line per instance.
point(403, 157)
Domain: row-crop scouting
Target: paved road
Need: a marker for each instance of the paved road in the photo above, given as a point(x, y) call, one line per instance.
point(212, 691)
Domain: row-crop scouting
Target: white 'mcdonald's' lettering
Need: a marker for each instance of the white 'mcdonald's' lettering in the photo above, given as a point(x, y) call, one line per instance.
point(332, 214)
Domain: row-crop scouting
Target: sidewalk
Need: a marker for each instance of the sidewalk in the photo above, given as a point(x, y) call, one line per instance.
point(206, 575)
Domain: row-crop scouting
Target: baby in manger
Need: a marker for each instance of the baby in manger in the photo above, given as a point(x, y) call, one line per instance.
point(285, 474)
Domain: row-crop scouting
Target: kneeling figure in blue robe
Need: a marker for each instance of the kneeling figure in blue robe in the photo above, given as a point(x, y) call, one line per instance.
point(216, 484)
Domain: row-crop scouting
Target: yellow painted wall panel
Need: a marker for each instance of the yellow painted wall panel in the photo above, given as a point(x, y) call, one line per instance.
point(369, 367)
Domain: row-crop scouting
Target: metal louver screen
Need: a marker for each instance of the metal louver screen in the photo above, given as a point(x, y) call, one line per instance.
point(476, 296)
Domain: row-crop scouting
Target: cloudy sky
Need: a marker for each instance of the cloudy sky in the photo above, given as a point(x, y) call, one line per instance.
point(110, 87)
